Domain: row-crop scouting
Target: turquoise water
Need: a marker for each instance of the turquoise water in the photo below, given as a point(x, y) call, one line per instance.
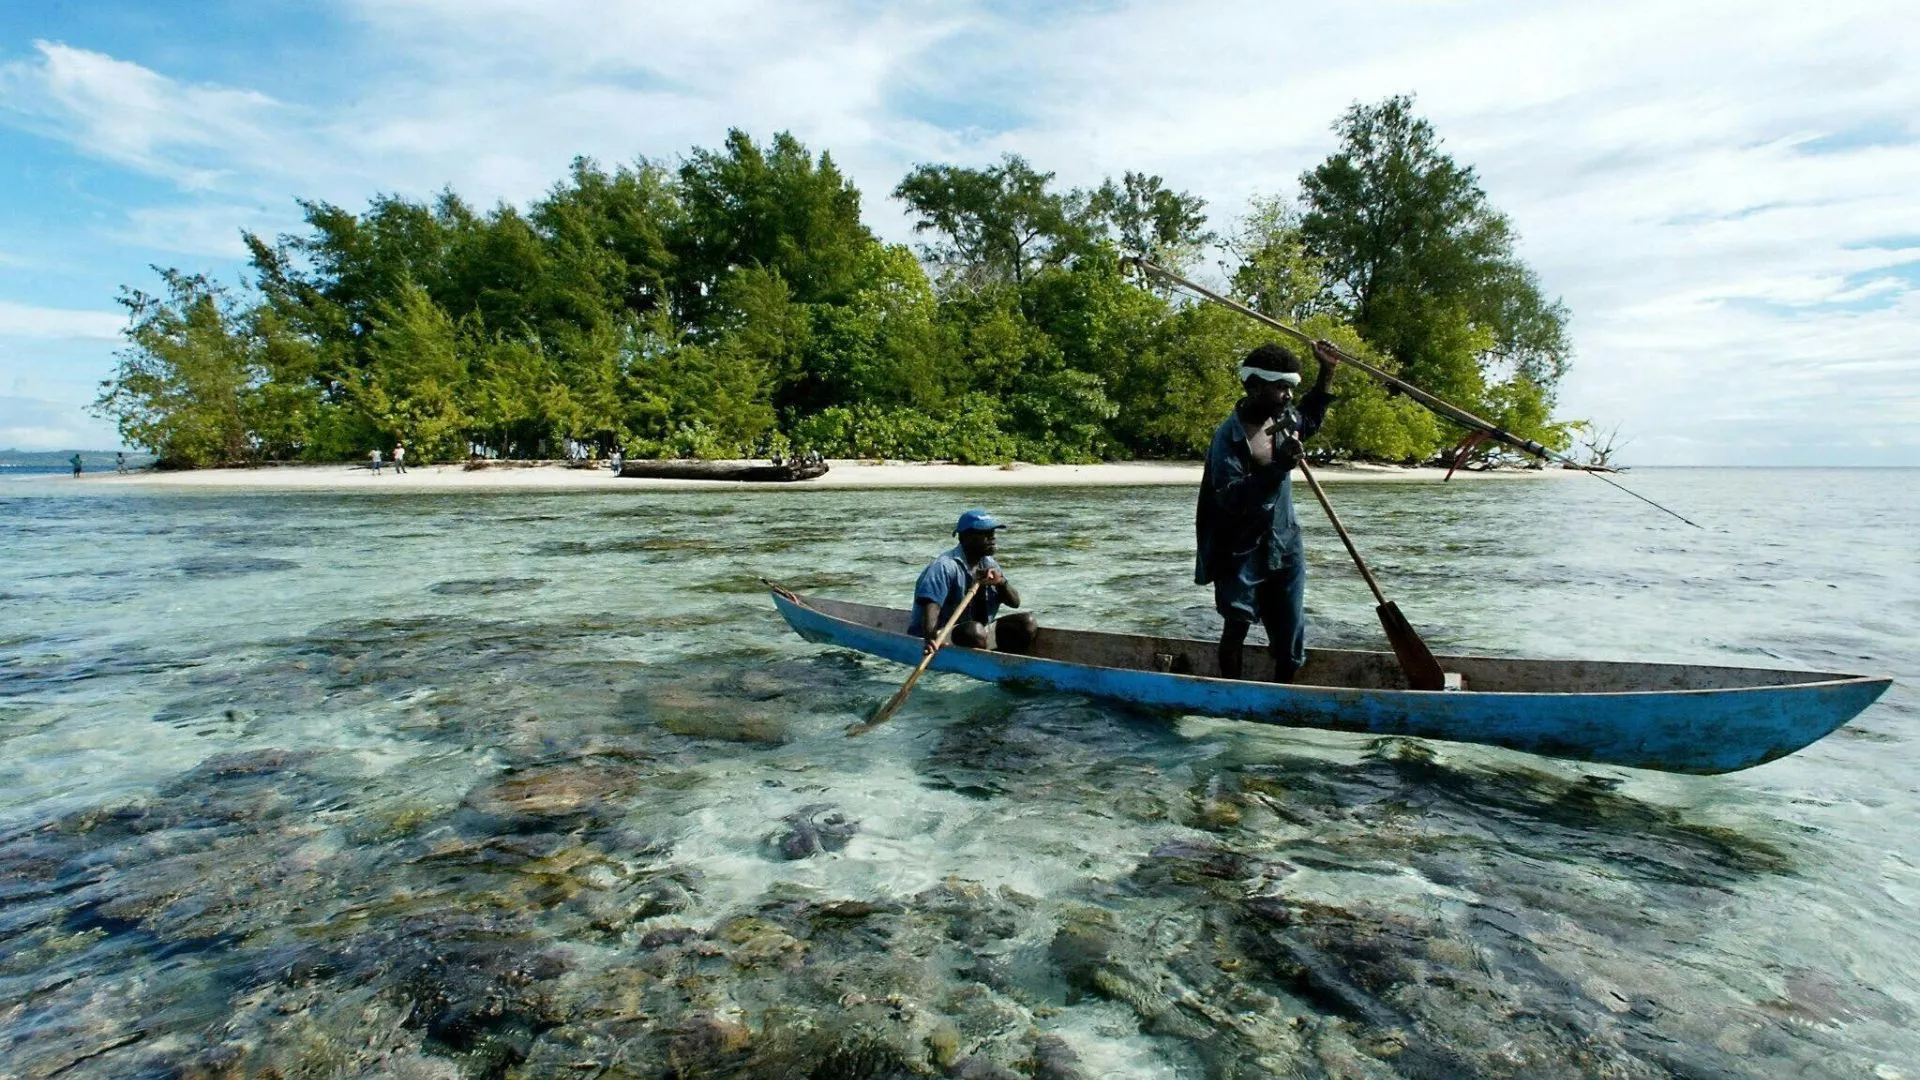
point(491, 785)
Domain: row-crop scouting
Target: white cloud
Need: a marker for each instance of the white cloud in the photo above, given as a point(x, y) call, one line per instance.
point(202, 228)
point(41, 438)
point(1710, 186)
point(22, 320)
point(31, 423)
point(120, 111)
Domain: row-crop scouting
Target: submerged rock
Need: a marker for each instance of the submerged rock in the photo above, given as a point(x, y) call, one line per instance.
point(486, 586)
point(710, 709)
point(552, 792)
point(811, 830)
point(1181, 864)
point(1053, 1059)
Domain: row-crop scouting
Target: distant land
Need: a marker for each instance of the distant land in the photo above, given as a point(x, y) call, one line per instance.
point(90, 460)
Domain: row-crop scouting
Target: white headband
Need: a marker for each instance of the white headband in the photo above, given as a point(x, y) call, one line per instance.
point(1291, 378)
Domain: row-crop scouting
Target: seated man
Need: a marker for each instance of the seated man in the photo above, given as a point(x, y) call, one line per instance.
point(945, 580)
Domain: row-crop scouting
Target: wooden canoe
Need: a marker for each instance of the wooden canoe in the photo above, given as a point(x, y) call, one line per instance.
point(1687, 718)
point(752, 472)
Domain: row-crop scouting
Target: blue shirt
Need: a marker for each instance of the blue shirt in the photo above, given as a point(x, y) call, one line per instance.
point(1246, 509)
point(944, 582)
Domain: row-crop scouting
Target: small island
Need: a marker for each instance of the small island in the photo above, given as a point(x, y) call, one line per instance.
point(737, 307)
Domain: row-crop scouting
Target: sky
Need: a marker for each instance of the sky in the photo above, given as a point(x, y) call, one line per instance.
point(1726, 195)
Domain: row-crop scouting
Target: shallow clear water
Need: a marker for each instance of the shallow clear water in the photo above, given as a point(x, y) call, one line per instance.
point(494, 785)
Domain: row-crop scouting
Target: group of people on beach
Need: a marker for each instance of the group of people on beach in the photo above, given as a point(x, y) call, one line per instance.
point(399, 459)
point(119, 463)
point(1247, 537)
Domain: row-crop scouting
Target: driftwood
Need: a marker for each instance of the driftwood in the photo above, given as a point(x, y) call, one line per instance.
point(759, 472)
point(477, 464)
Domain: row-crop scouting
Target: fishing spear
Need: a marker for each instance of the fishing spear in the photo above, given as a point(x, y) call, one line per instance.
point(1443, 408)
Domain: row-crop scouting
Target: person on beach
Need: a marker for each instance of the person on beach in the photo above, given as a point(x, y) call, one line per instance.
point(373, 460)
point(399, 458)
point(76, 464)
point(943, 584)
point(1248, 539)
point(120, 462)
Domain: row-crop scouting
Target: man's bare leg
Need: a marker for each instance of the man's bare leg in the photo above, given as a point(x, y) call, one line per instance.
point(1231, 641)
point(1014, 633)
point(1283, 666)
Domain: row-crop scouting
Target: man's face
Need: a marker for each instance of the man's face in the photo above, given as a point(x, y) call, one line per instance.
point(1269, 395)
point(977, 542)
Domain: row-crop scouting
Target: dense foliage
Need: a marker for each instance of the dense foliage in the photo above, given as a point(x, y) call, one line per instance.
point(738, 306)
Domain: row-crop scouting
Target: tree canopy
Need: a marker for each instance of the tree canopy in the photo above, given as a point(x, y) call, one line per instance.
point(737, 305)
point(1423, 265)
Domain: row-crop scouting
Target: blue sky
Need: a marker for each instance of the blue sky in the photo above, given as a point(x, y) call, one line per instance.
point(1724, 193)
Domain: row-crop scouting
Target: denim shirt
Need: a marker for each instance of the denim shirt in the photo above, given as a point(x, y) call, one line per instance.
point(945, 581)
point(1243, 506)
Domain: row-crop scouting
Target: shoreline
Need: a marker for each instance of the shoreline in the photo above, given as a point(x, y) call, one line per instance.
point(844, 475)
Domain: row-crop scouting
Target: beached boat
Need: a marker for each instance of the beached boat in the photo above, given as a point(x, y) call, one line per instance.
point(1686, 718)
point(754, 472)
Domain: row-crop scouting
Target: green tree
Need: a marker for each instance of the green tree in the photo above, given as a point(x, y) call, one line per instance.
point(686, 399)
point(991, 339)
point(283, 410)
point(1181, 386)
point(997, 225)
point(779, 209)
point(333, 282)
point(883, 345)
point(513, 396)
point(1370, 422)
point(1414, 250)
point(491, 267)
point(607, 238)
point(1276, 274)
point(182, 385)
point(1145, 217)
point(412, 385)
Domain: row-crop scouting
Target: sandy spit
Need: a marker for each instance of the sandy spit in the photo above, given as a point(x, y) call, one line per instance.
point(843, 475)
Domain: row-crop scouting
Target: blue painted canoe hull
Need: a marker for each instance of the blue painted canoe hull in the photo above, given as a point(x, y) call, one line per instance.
point(1675, 718)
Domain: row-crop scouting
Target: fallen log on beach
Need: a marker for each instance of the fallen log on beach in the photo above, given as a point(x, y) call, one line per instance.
point(759, 472)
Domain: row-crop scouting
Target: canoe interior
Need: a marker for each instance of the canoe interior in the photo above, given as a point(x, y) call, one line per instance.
point(1361, 670)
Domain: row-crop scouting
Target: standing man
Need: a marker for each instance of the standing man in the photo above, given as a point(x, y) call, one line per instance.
point(1248, 537)
point(399, 457)
point(373, 460)
point(945, 581)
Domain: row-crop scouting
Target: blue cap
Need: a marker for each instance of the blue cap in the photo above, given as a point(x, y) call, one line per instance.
point(975, 521)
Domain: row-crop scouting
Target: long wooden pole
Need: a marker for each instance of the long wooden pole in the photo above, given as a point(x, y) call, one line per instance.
point(1444, 408)
point(1423, 672)
point(1307, 475)
point(899, 698)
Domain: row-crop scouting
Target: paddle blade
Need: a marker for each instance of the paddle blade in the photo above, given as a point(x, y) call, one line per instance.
point(892, 705)
point(1416, 660)
point(881, 714)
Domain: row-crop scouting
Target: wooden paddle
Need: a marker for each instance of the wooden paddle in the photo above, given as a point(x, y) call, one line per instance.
point(1416, 660)
point(892, 705)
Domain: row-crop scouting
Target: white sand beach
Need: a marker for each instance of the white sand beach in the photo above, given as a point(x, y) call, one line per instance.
point(845, 474)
